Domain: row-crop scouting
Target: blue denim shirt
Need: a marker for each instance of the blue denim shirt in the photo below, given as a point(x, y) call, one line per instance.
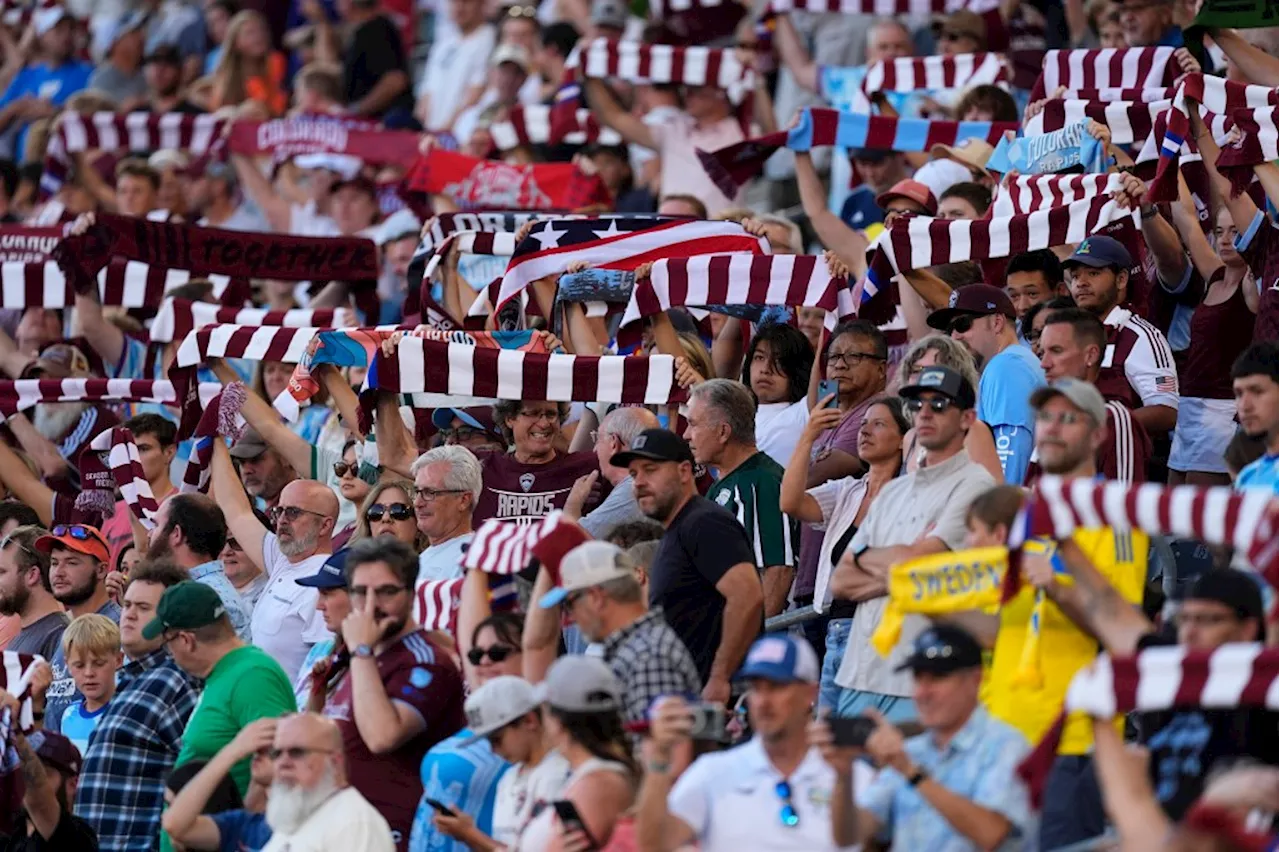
point(212, 575)
point(979, 764)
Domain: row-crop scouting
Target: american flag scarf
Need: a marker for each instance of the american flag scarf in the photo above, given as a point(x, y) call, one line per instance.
point(539, 124)
point(1256, 144)
point(784, 280)
point(111, 462)
point(733, 166)
point(474, 183)
point(74, 133)
point(422, 365)
point(177, 317)
point(1244, 520)
point(1108, 68)
point(622, 243)
point(1218, 96)
point(218, 421)
point(1029, 193)
point(22, 394)
point(126, 283)
point(1157, 679)
point(505, 548)
point(436, 602)
point(912, 73)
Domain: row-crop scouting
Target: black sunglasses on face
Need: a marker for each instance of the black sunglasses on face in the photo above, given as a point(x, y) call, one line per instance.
point(398, 512)
point(962, 323)
point(938, 404)
point(496, 654)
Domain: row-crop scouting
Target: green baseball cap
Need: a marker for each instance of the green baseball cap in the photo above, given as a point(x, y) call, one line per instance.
point(186, 606)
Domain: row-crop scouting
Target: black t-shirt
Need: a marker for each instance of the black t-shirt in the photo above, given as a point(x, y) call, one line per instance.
point(1187, 745)
point(72, 834)
point(374, 51)
point(701, 545)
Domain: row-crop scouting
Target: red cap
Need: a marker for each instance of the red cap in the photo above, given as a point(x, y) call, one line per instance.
point(912, 190)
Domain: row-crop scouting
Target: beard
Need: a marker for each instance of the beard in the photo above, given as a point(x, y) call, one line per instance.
point(289, 806)
point(662, 506)
point(296, 545)
point(53, 420)
point(160, 549)
point(78, 594)
point(15, 603)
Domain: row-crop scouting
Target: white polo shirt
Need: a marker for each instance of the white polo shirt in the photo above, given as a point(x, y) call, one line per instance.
point(285, 621)
point(345, 821)
point(731, 802)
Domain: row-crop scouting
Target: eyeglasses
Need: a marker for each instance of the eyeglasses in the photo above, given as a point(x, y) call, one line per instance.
point(461, 434)
point(850, 359)
point(233, 544)
point(788, 815)
point(937, 404)
point(953, 35)
point(382, 593)
point(341, 469)
point(290, 513)
point(294, 752)
point(429, 495)
point(397, 511)
point(962, 323)
point(9, 539)
point(1062, 418)
point(522, 12)
point(596, 435)
point(496, 654)
point(553, 416)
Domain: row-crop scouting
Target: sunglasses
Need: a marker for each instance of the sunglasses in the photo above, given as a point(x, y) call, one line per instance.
point(290, 513)
point(962, 323)
point(397, 511)
point(790, 818)
point(496, 654)
point(937, 405)
point(294, 752)
point(341, 469)
point(233, 544)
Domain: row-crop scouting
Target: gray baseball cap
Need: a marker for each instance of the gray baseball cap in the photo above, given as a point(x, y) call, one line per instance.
point(1083, 395)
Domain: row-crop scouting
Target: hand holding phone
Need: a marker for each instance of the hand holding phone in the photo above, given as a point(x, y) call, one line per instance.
point(440, 807)
point(829, 388)
point(851, 731)
point(571, 819)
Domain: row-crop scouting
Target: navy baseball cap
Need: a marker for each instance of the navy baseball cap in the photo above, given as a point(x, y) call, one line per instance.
point(1099, 252)
point(943, 649)
point(781, 658)
point(332, 574)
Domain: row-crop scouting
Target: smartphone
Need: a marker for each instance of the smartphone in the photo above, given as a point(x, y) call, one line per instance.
point(829, 388)
point(441, 807)
point(570, 819)
point(851, 730)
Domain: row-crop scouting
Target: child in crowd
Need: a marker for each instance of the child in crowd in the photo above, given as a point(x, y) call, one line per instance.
point(991, 516)
point(91, 644)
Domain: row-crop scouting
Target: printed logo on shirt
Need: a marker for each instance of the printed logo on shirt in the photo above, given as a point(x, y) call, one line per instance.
point(526, 508)
point(723, 498)
point(526, 481)
point(1167, 384)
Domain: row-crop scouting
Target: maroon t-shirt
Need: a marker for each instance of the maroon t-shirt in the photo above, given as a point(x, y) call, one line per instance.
point(1262, 253)
point(1219, 333)
point(519, 492)
point(418, 673)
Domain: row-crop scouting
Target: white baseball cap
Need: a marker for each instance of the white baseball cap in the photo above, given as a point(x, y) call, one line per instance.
point(46, 18)
point(398, 226)
point(498, 703)
point(579, 684)
point(588, 565)
point(344, 165)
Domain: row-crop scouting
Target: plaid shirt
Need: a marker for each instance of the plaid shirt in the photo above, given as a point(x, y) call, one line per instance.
point(130, 753)
point(650, 661)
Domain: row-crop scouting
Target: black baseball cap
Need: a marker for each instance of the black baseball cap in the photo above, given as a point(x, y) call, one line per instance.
point(945, 381)
point(1232, 588)
point(943, 649)
point(1099, 252)
point(165, 53)
point(975, 300)
point(655, 445)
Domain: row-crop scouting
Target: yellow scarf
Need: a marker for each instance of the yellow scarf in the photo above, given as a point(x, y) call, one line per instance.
point(1030, 671)
point(939, 584)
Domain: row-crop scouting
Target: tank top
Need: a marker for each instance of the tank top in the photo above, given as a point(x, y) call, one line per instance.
point(1219, 333)
point(537, 835)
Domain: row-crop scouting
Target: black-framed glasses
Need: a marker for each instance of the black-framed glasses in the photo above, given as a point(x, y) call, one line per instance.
point(429, 495)
point(850, 359)
point(295, 752)
point(962, 324)
point(937, 404)
point(397, 511)
point(495, 653)
point(790, 818)
point(535, 416)
point(290, 513)
point(341, 469)
point(381, 593)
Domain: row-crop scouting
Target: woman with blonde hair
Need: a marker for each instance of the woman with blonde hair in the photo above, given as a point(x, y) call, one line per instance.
point(388, 510)
point(248, 68)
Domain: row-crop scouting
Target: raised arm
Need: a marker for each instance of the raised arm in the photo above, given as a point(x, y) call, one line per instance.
point(794, 498)
point(848, 244)
point(261, 416)
point(1254, 62)
point(1103, 611)
point(241, 521)
point(39, 796)
point(1242, 208)
point(396, 448)
point(1203, 257)
point(274, 207)
point(24, 484)
point(794, 55)
point(103, 335)
point(611, 114)
point(40, 448)
point(541, 637)
point(344, 398)
point(12, 362)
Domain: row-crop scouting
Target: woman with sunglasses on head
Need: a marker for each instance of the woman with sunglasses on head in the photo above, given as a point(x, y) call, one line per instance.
point(243, 572)
point(388, 510)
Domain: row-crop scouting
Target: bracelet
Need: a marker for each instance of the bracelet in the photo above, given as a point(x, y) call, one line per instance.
point(1149, 212)
point(658, 768)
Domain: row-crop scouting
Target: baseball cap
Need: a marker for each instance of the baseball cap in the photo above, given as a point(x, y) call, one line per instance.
point(1098, 252)
point(1231, 588)
point(45, 19)
point(578, 684)
point(973, 153)
point(498, 703)
point(975, 300)
point(870, 155)
point(250, 445)
point(588, 565)
point(781, 659)
point(477, 417)
point(943, 380)
point(398, 226)
point(115, 29)
point(943, 649)
point(66, 358)
point(81, 538)
point(332, 574)
point(358, 181)
point(165, 53)
point(55, 749)
point(1083, 395)
point(912, 190)
point(513, 53)
point(185, 606)
point(609, 13)
point(962, 22)
point(343, 165)
point(655, 445)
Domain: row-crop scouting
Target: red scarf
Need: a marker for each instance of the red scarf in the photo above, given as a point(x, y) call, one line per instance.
point(476, 183)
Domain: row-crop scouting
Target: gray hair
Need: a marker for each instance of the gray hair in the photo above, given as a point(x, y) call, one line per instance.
point(625, 590)
point(951, 353)
point(464, 469)
point(627, 423)
point(733, 405)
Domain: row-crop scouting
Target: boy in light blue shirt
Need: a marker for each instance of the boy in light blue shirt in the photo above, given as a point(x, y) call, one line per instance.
point(1253, 378)
point(91, 645)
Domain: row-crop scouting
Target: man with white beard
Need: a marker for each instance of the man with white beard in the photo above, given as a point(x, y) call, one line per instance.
point(311, 806)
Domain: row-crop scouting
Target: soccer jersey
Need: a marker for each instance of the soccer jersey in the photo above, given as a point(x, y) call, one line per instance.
point(752, 494)
point(514, 491)
point(1029, 704)
point(1137, 366)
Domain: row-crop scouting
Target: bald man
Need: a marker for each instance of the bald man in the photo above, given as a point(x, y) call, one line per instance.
point(614, 435)
point(285, 621)
point(310, 773)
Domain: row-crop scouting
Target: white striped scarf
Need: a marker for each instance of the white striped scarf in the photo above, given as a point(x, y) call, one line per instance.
point(1258, 142)
point(538, 124)
point(431, 366)
point(74, 133)
point(741, 279)
point(178, 317)
point(502, 244)
point(22, 394)
point(435, 604)
point(640, 63)
point(1130, 122)
point(883, 8)
point(911, 73)
point(124, 283)
point(1126, 67)
point(254, 342)
point(218, 420)
point(505, 548)
point(1112, 93)
point(16, 671)
point(1029, 193)
point(117, 448)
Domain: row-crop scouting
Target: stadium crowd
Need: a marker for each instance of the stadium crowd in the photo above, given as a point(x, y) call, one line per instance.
point(588, 425)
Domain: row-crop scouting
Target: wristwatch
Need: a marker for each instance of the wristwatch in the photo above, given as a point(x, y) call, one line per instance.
point(362, 651)
point(916, 777)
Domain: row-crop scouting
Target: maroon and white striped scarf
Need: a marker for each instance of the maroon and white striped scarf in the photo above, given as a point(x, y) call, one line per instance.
point(505, 548)
point(911, 73)
point(645, 64)
point(217, 421)
point(253, 342)
point(111, 463)
point(1029, 193)
point(28, 244)
point(740, 279)
point(421, 365)
point(177, 317)
point(538, 124)
point(1257, 144)
point(19, 395)
point(471, 242)
point(125, 283)
point(1108, 68)
point(1158, 679)
point(287, 137)
point(1110, 94)
point(435, 604)
point(1130, 122)
point(882, 8)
